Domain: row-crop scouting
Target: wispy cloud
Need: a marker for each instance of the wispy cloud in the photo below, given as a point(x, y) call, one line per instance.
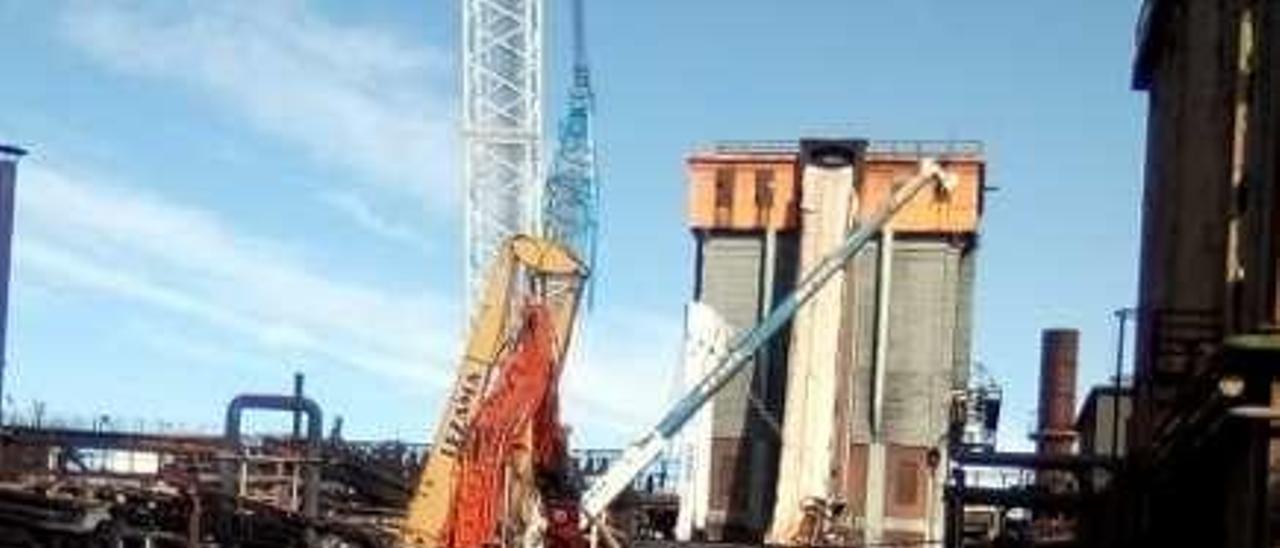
point(94, 234)
point(364, 215)
point(354, 97)
point(625, 373)
point(187, 261)
point(377, 107)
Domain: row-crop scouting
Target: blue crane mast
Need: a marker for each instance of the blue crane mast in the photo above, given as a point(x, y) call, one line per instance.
point(571, 201)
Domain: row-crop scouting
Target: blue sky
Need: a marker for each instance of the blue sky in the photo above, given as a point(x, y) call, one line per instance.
point(220, 193)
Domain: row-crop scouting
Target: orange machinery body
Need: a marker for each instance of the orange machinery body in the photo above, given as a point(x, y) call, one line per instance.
point(499, 453)
point(523, 400)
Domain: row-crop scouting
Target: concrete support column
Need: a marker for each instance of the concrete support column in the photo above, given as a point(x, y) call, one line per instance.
point(874, 530)
point(876, 466)
point(935, 510)
point(881, 358)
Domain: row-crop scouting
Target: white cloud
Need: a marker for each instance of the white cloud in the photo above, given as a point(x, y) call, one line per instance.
point(355, 98)
point(93, 234)
point(624, 376)
point(364, 215)
point(349, 96)
point(186, 261)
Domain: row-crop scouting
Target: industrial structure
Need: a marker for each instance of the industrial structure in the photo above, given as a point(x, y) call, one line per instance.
point(830, 393)
point(1102, 425)
point(502, 133)
point(1042, 498)
point(1201, 447)
point(1055, 434)
point(885, 357)
point(499, 461)
point(9, 157)
point(508, 189)
point(1185, 454)
point(64, 483)
point(499, 468)
point(572, 193)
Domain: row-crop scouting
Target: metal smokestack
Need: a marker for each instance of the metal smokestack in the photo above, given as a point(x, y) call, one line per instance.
point(1058, 354)
point(9, 156)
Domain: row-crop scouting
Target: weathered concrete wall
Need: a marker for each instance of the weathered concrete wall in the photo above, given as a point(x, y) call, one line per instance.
point(930, 333)
point(730, 279)
point(927, 320)
point(927, 354)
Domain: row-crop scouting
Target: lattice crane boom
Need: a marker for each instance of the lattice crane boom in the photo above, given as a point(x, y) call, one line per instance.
point(571, 202)
point(502, 132)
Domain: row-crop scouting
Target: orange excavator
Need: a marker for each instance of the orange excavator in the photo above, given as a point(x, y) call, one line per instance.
point(498, 472)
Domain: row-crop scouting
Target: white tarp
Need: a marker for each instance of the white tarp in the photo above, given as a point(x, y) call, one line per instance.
point(706, 339)
point(804, 468)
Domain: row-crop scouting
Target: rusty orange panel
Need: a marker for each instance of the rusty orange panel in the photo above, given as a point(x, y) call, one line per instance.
point(743, 212)
point(930, 211)
point(903, 538)
point(957, 212)
point(907, 481)
point(700, 203)
point(855, 479)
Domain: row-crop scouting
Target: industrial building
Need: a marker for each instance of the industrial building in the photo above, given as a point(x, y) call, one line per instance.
point(1185, 453)
point(1202, 470)
point(831, 393)
point(1102, 425)
point(851, 403)
point(1102, 421)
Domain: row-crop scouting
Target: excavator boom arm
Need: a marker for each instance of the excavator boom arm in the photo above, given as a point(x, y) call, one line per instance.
point(430, 508)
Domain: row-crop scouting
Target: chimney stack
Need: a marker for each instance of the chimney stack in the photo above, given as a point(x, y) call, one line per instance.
point(9, 156)
point(1056, 426)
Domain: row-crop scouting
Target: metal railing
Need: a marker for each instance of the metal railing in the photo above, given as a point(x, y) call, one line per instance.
point(662, 476)
point(922, 148)
point(893, 147)
point(105, 423)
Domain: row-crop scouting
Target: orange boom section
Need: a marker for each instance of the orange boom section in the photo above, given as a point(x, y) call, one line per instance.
point(526, 381)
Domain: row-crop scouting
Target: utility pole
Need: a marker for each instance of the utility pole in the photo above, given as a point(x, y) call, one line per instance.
point(1122, 319)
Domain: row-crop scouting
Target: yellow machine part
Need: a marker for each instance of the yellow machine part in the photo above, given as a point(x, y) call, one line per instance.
point(553, 273)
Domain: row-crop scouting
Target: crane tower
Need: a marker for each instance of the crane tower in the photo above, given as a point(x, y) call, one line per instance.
point(501, 127)
point(572, 196)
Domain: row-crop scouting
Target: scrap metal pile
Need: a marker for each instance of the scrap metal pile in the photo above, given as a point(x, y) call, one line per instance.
point(64, 487)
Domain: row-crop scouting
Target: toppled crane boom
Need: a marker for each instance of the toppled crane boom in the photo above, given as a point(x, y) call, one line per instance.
point(744, 347)
point(523, 270)
point(521, 390)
